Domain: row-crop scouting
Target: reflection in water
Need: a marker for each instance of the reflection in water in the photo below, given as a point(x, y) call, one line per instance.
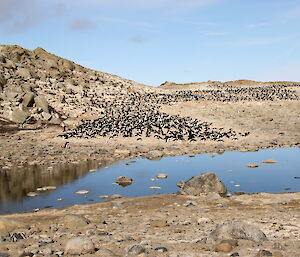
point(15, 184)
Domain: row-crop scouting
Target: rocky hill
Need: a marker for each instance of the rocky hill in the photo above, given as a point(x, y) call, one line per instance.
point(37, 87)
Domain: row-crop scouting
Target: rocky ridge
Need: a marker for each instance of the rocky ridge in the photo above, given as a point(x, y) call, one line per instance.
point(39, 87)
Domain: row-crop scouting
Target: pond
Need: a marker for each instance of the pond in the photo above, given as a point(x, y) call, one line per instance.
point(66, 180)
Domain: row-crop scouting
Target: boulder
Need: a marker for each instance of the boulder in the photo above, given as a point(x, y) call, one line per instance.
point(79, 245)
point(204, 183)
point(154, 155)
point(19, 116)
point(68, 65)
point(2, 81)
point(8, 225)
point(51, 64)
point(46, 116)
point(28, 99)
point(23, 73)
point(124, 181)
point(41, 102)
point(237, 230)
point(2, 59)
point(75, 221)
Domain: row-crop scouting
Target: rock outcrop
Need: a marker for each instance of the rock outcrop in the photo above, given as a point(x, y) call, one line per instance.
point(203, 184)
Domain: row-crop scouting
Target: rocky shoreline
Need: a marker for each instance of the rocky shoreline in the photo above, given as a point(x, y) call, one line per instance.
point(162, 225)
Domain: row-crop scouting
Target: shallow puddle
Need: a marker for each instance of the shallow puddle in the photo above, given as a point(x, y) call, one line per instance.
point(240, 171)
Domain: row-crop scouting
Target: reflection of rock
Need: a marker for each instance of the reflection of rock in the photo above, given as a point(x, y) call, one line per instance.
point(204, 183)
point(16, 183)
point(124, 181)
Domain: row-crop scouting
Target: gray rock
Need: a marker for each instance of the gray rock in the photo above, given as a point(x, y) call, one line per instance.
point(204, 183)
point(4, 255)
point(41, 102)
point(75, 221)
point(51, 64)
point(2, 81)
point(154, 155)
point(136, 250)
point(2, 59)
point(19, 116)
point(28, 100)
point(124, 181)
point(55, 120)
point(23, 73)
point(79, 245)
point(46, 116)
point(68, 65)
point(237, 230)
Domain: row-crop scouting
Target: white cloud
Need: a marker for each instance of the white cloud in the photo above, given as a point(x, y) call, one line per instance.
point(213, 33)
point(171, 4)
point(258, 42)
point(257, 25)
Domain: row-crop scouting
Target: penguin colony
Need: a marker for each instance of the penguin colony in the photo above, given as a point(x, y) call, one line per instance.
point(138, 115)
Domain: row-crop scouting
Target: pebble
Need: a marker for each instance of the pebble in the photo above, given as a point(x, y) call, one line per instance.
point(162, 175)
point(32, 194)
point(161, 249)
point(252, 165)
point(269, 161)
point(264, 253)
point(46, 188)
point(224, 247)
point(82, 192)
point(154, 187)
point(136, 250)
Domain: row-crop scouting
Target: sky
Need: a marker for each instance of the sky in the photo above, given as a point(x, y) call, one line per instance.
point(153, 41)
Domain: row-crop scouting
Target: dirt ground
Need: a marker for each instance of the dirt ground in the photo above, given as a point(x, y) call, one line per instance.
point(178, 223)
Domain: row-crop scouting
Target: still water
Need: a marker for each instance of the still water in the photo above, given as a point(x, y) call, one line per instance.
point(282, 176)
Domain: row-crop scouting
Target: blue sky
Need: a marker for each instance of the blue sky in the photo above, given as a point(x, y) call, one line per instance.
point(151, 41)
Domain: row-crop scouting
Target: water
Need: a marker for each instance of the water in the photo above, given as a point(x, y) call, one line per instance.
point(230, 167)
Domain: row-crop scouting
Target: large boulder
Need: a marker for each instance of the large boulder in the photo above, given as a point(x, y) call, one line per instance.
point(28, 99)
point(204, 183)
point(41, 102)
point(237, 230)
point(79, 245)
point(19, 116)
